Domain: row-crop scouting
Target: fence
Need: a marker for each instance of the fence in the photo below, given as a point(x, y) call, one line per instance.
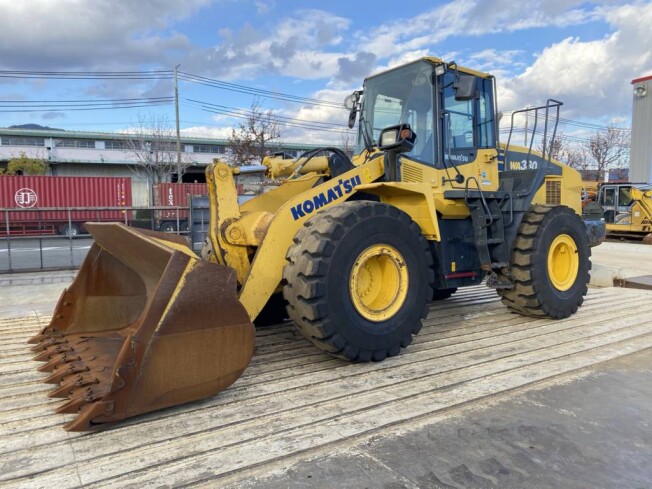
point(35, 241)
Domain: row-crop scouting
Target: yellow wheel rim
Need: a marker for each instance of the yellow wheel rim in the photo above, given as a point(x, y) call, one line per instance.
point(563, 262)
point(379, 282)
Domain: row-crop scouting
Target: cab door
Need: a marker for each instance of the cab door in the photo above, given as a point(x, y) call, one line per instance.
point(609, 202)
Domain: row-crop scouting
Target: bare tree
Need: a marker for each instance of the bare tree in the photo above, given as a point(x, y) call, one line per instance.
point(347, 143)
point(576, 157)
point(251, 141)
point(608, 149)
point(555, 148)
point(562, 150)
point(152, 143)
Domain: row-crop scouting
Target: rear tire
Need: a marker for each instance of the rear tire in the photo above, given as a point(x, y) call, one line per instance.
point(550, 264)
point(358, 280)
point(70, 230)
point(168, 227)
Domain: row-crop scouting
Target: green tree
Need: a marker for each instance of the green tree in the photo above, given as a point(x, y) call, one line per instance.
point(23, 165)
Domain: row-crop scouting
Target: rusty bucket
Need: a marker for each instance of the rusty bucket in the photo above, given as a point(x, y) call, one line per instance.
point(145, 325)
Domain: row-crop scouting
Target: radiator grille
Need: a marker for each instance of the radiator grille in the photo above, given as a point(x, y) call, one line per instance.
point(411, 173)
point(553, 192)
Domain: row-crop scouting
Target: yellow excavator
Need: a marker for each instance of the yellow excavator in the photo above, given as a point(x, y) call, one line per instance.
point(351, 249)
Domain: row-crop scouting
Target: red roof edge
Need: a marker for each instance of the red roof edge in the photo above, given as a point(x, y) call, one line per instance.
point(642, 79)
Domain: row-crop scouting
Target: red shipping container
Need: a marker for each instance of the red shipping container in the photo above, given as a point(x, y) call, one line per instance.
point(174, 195)
point(46, 192)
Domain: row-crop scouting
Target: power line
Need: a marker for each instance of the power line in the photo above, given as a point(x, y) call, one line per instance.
point(99, 107)
point(278, 117)
point(88, 75)
point(211, 82)
point(78, 101)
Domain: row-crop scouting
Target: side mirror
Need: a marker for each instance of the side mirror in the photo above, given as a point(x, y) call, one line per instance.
point(352, 117)
point(399, 138)
point(352, 103)
point(464, 87)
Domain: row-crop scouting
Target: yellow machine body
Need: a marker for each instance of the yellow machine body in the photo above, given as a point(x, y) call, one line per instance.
point(148, 324)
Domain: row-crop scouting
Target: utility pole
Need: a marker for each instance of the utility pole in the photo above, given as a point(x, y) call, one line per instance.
point(527, 117)
point(176, 109)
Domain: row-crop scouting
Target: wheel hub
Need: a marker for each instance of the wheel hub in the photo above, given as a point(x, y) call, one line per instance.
point(378, 283)
point(563, 262)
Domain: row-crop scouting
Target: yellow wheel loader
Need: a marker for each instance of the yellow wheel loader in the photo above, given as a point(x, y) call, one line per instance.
point(352, 249)
point(627, 209)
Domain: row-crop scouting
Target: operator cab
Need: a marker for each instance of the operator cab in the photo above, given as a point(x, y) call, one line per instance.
point(451, 112)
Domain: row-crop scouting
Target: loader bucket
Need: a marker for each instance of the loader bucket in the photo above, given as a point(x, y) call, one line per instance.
point(145, 325)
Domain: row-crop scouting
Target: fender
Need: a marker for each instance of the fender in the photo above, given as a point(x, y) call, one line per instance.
point(415, 199)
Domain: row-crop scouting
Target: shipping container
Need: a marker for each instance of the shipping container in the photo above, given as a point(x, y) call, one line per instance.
point(175, 196)
point(49, 205)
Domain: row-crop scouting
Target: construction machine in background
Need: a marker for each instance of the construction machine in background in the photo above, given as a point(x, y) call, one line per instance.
point(352, 249)
point(627, 209)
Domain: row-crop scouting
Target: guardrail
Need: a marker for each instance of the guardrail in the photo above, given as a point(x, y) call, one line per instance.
point(55, 239)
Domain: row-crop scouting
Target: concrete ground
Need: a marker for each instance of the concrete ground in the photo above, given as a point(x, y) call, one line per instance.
point(617, 260)
point(483, 399)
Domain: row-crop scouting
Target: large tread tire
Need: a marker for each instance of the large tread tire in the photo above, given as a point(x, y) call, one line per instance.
point(317, 277)
point(534, 293)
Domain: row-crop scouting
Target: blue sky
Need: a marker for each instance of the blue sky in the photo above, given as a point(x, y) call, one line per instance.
point(583, 53)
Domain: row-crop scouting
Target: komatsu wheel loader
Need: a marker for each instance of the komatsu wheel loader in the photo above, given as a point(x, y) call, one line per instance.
point(353, 250)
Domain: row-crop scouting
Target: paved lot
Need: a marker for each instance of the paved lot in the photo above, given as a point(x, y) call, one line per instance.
point(483, 398)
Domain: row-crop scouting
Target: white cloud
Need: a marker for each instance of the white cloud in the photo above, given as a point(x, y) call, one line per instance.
point(69, 34)
point(464, 18)
point(591, 77)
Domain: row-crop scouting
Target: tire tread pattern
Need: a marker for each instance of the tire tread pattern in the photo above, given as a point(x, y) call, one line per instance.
point(308, 262)
point(526, 297)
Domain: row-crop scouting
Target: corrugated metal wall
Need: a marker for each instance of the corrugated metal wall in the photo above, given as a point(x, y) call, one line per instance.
point(139, 185)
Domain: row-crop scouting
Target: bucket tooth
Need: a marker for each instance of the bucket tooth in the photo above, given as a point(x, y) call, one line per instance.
point(52, 363)
point(43, 345)
point(53, 350)
point(79, 398)
point(62, 371)
point(74, 405)
point(67, 388)
point(59, 360)
point(46, 334)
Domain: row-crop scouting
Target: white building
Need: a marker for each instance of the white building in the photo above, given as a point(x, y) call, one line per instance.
point(640, 166)
point(73, 153)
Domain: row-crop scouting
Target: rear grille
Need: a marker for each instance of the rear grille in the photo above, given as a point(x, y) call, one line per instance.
point(553, 192)
point(411, 173)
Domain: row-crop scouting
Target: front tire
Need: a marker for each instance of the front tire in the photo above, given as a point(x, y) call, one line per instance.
point(550, 264)
point(358, 280)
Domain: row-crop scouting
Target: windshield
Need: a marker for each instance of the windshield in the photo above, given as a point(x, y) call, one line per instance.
point(400, 96)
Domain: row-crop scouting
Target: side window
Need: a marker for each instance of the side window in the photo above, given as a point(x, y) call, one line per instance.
point(458, 118)
point(486, 121)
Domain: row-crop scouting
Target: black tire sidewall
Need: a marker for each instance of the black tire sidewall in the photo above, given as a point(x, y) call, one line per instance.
point(353, 327)
point(168, 227)
point(555, 225)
